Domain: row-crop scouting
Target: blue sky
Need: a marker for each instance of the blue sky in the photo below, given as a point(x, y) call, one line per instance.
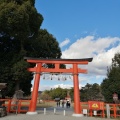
point(83, 28)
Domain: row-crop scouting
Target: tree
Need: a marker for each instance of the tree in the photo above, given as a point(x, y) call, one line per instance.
point(45, 95)
point(16, 28)
point(72, 93)
point(111, 83)
point(58, 93)
point(44, 45)
point(91, 92)
point(20, 36)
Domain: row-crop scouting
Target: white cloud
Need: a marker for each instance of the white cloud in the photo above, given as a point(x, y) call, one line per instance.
point(101, 61)
point(48, 87)
point(65, 42)
point(101, 49)
point(63, 86)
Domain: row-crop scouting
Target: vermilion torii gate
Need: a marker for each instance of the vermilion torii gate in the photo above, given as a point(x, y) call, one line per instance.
point(39, 69)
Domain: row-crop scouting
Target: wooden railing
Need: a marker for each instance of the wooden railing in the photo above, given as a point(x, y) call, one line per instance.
point(18, 106)
point(114, 110)
point(22, 106)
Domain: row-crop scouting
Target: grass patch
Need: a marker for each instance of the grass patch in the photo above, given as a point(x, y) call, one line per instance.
point(46, 104)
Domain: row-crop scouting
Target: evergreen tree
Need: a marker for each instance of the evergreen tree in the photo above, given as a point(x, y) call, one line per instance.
point(20, 36)
point(111, 84)
point(91, 92)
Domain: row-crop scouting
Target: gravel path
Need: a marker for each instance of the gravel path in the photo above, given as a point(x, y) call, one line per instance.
point(60, 114)
point(48, 117)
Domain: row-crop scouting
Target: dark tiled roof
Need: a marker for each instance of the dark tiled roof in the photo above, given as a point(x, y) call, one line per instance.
point(82, 59)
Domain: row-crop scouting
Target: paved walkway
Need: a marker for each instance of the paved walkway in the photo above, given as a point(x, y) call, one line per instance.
point(60, 114)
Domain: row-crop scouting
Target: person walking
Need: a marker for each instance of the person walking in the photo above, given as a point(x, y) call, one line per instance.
point(63, 103)
point(59, 103)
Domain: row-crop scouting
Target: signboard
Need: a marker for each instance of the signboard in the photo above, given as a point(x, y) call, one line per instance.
point(95, 112)
point(85, 111)
point(96, 105)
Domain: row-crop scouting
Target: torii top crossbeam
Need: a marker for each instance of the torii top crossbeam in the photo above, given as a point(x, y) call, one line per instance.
point(57, 63)
point(61, 61)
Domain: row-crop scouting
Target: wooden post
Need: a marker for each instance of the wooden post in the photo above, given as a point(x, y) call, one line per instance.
point(9, 105)
point(77, 106)
point(35, 89)
point(114, 109)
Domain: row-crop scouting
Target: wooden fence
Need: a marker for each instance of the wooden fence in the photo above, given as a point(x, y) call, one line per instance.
point(18, 106)
point(108, 109)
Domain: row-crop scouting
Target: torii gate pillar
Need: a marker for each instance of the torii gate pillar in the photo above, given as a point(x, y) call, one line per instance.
point(77, 110)
point(75, 71)
point(32, 108)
